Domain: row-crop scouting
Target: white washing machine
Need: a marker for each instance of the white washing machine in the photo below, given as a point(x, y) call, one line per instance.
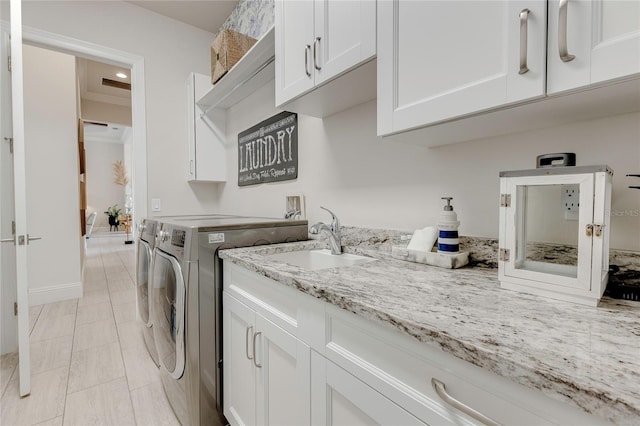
point(187, 305)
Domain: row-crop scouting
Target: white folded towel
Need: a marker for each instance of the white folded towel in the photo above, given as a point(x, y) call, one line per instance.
point(423, 239)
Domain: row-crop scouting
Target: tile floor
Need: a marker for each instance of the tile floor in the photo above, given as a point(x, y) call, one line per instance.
point(89, 364)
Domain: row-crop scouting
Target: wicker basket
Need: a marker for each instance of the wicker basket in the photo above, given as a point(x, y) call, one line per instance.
point(226, 50)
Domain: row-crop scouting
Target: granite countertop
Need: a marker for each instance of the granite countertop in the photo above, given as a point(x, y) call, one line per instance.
point(585, 356)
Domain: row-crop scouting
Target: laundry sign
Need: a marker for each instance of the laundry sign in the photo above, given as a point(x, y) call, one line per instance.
point(268, 152)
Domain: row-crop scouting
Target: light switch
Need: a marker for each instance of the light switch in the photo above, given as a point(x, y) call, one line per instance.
point(155, 204)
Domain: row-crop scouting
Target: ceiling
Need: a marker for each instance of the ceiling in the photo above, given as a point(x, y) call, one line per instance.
point(208, 15)
point(111, 133)
point(90, 75)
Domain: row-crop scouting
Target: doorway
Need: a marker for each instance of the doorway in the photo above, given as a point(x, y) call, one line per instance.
point(106, 146)
point(138, 171)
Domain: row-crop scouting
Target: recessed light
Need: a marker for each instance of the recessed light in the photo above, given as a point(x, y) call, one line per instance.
point(121, 75)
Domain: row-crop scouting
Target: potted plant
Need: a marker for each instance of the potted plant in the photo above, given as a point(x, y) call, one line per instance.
point(113, 212)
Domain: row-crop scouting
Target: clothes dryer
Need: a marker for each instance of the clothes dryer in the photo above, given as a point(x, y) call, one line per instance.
point(146, 244)
point(187, 305)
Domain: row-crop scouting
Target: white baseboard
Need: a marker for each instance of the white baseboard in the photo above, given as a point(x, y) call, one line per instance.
point(55, 293)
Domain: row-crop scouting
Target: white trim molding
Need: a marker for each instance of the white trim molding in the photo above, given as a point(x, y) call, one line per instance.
point(54, 293)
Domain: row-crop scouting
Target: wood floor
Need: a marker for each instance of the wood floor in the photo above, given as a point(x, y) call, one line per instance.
point(89, 363)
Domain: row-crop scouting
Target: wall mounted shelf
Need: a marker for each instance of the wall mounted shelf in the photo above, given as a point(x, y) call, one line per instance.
point(254, 70)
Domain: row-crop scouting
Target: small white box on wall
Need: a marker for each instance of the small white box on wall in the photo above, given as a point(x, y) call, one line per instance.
point(294, 206)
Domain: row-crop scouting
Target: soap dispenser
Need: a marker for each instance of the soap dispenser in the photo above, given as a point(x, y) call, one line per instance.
point(448, 242)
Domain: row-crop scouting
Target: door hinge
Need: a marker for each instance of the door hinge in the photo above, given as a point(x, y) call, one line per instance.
point(9, 63)
point(503, 255)
point(505, 200)
point(13, 228)
point(15, 309)
point(10, 140)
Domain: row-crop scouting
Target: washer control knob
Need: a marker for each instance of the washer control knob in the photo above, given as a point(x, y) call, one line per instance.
point(163, 236)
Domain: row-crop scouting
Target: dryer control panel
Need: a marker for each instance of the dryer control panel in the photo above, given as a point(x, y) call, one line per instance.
point(177, 237)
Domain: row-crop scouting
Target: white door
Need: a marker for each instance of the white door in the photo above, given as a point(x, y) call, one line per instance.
point(8, 322)
point(15, 246)
point(239, 373)
point(438, 60)
point(592, 41)
point(294, 48)
point(345, 36)
point(283, 376)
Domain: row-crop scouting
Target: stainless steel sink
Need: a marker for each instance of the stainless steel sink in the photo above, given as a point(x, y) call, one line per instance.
point(319, 259)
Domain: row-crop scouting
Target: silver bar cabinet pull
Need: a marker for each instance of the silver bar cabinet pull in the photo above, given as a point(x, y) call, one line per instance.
point(524, 18)
point(307, 50)
point(442, 393)
point(246, 342)
point(255, 336)
point(315, 53)
point(8, 240)
point(563, 50)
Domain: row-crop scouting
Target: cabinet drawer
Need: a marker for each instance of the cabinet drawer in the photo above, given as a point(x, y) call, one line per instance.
point(402, 369)
point(297, 313)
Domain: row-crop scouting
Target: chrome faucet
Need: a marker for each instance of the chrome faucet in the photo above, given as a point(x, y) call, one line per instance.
point(333, 230)
point(291, 214)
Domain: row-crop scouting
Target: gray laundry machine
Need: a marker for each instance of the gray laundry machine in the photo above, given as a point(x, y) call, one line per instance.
point(186, 305)
point(146, 244)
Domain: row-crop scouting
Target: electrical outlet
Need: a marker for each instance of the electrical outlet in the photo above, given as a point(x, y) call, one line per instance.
point(570, 201)
point(294, 206)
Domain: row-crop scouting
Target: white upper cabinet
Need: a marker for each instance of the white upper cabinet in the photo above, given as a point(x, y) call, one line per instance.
point(469, 69)
point(294, 44)
point(317, 41)
point(443, 59)
point(592, 41)
point(206, 134)
point(345, 36)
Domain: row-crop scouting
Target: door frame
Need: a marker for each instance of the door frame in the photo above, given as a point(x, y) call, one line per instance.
point(95, 52)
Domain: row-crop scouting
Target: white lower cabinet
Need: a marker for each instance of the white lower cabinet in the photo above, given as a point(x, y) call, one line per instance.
point(339, 398)
point(290, 359)
point(266, 370)
point(239, 379)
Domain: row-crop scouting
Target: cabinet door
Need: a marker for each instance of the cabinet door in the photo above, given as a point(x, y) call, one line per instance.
point(239, 371)
point(340, 398)
point(294, 48)
point(345, 36)
point(283, 378)
point(602, 39)
point(206, 134)
point(438, 60)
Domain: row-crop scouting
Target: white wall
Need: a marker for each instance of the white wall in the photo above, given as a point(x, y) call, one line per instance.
point(100, 111)
point(102, 192)
point(375, 182)
point(171, 50)
point(52, 175)
point(343, 165)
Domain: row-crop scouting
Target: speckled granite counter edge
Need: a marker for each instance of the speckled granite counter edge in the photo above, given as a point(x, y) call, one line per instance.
point(550, 382)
